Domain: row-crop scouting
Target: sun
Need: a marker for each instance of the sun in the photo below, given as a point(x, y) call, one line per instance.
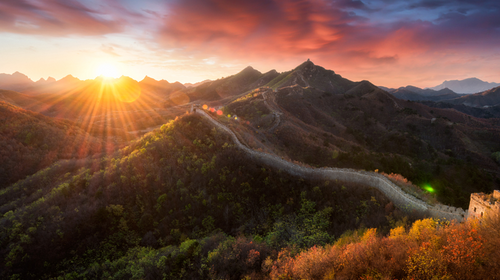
point(107, 71)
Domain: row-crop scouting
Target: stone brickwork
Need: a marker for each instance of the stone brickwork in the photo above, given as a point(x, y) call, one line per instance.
point(482, 204)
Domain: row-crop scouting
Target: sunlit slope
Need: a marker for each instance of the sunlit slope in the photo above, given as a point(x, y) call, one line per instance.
point(107, 107)
point(31, 141)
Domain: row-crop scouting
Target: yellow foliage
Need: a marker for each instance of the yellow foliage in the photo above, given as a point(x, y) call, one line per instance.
point(370, 234)
point(422, 228)
point(426, 263)
point(397, 232)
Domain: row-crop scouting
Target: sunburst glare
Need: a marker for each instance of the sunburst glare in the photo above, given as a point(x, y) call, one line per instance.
point(108, 71)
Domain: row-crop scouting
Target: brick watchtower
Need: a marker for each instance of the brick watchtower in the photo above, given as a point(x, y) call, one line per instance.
point(484, 204)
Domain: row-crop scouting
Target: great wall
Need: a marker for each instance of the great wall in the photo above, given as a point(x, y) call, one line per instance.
point(400, 198)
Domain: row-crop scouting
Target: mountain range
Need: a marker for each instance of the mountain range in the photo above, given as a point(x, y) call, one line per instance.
point(21, 83)
point(482, 104)
point(417, 94)
point(183, 200)
point(470, 85)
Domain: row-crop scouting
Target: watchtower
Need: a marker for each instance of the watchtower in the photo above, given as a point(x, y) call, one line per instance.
point(482, 204)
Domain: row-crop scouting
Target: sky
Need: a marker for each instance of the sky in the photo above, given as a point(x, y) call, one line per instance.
point(388, 42)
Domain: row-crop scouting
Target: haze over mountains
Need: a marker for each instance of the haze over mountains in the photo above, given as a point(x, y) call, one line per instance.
point(21, 83)
point(417, 94)
point(470, 85)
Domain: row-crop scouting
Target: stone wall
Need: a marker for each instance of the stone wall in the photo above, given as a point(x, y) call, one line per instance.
point(400, 198)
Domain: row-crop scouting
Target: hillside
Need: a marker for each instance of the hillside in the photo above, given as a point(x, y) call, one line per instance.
point(309, 75)
point(417, 94)
point(364, 127)
point(488, 98)
point(15, 82)
point(31, 142)
point(161, 88)
point(478, 112)
point(183, 182)
point(188, 85)
point(22, 100)
point(231, 86)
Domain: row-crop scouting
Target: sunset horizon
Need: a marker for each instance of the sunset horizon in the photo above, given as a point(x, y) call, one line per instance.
point(117, 75)
point(392, 44)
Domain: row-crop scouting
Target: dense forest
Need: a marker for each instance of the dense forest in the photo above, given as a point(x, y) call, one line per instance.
point(182, 183)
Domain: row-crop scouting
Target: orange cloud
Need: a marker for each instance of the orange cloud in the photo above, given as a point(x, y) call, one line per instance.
point(330, 33)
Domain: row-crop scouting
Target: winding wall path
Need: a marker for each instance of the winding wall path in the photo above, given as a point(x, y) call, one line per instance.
point(276, 112)
point(400, 198)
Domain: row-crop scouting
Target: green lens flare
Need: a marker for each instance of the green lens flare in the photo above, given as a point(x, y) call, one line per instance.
point(429, 188)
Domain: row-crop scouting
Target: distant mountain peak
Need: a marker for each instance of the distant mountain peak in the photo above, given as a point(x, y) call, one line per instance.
point(71, 79)
point(148, 79)
point(17, 73)
point(305, 65)
point(469, 85)
point(249, 70)
point(16, 81)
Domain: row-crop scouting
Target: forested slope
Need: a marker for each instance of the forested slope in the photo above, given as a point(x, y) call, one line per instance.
point(31, 141)
point(182, 182)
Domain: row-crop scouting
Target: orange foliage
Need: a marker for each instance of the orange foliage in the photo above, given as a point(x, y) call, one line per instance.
point(464, 250)
point(428, 250)
point(397, 177)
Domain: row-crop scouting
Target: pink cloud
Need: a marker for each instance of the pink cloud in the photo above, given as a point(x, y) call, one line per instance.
point(265, 27)
point(56, 17)
point(319, 29)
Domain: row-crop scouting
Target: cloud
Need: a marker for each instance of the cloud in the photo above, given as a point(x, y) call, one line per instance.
point(343, 28)
point(109, 50)
point(265, 26)
point(57, 18)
